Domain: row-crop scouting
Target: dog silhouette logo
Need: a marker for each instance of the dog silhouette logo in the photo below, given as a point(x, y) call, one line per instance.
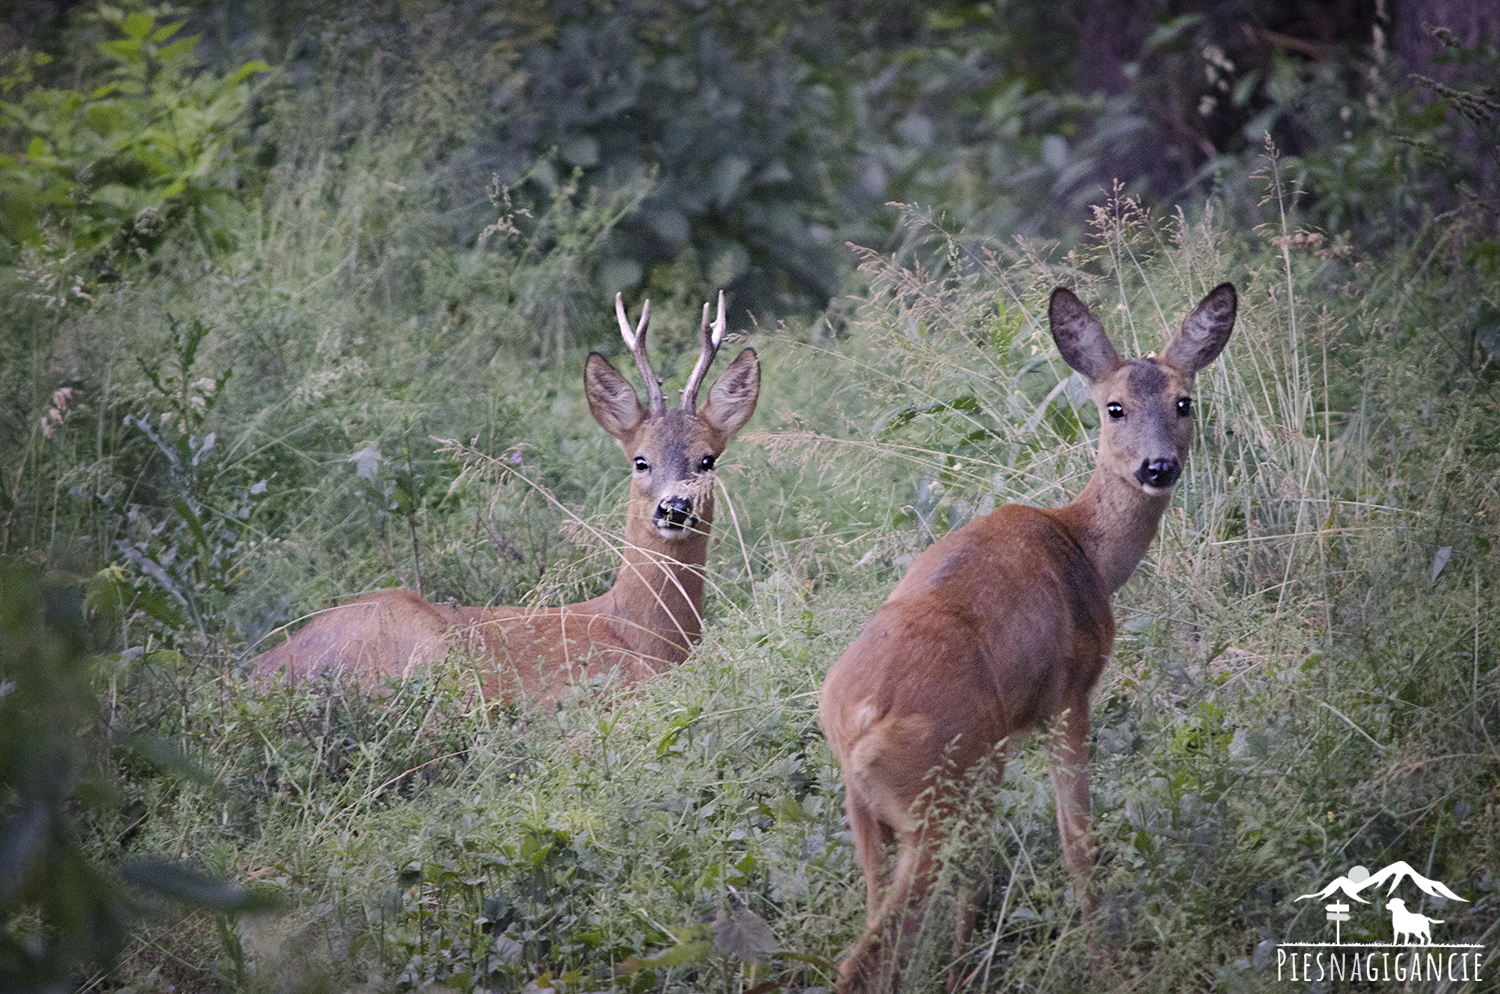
point(1410, 923)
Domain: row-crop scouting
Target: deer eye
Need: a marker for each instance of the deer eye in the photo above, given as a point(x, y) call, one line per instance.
point(1116, 412)
point(641, 465)
point(1184, 406)
point(706, 463)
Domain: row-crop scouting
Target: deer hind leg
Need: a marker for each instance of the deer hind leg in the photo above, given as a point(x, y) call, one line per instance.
point(872, 838)
point(877, 817)
point(894, 922)
point(970, 887)
point(1068, 762)
point(862, 969)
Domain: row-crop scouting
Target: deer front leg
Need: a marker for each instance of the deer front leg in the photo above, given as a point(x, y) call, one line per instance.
point(1068, 762)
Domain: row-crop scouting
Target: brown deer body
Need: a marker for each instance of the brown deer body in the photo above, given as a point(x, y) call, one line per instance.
point(648, 620)
point(1003, 626)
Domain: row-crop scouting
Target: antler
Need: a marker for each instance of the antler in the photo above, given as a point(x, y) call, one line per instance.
point(636, 342)
point(712, 335)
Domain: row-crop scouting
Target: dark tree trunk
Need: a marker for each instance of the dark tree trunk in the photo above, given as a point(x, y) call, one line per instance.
point(1113, 34)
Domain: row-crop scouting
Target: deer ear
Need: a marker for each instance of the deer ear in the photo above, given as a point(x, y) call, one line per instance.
point(1080, 337)
point(1205, 331)
point(732, 399)
point(611, 398)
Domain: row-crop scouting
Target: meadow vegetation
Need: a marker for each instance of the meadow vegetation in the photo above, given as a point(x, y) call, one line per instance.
point(337, 348)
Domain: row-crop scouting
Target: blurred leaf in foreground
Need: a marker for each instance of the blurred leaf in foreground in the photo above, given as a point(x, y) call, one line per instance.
point(64, 906)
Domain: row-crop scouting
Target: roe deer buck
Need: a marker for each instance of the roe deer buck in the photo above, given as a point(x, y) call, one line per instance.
point(1003, 626)
point(653, 614)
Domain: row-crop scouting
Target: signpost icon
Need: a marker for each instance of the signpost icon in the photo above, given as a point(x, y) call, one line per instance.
point(1337, 913)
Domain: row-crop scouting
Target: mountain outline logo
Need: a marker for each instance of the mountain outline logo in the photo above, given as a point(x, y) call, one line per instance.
point(1358, 878)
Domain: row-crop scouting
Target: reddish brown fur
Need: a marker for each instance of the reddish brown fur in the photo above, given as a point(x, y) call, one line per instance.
point(648, 620)
point(1003, 626)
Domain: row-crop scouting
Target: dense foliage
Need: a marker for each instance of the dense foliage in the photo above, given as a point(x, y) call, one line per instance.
point(295, 303)
point(144, 147)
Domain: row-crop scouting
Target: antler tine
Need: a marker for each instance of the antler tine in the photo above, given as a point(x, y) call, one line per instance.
point(636, 342)
point(712, 335)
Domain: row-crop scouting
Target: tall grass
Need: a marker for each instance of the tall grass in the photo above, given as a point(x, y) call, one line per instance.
point(1304, 678)
point(1249, 729)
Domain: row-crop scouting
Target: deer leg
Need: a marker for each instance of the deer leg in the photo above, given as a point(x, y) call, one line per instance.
point(871, 838)
point(1068, 762)
point(873, 965)
point(871, 841)
point(966, 904)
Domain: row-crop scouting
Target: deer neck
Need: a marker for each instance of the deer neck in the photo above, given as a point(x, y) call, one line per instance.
point(1114, 523)
point(656, 604)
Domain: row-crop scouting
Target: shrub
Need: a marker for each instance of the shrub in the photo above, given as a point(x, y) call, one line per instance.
point(68, 900)
point(146, 144)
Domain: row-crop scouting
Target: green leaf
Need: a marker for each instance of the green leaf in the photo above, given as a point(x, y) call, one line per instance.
point(105, 119)
point(1167, 33)
point(182, 883)
point(117, 195)
point(121, 50)
point(166, 31)
point(406, 493)
point(679, 724)
point(247, 70)
point(109, 592)
point(138, 25)
point(25, 839)
point(695, 944)
point(165, 755)
point(744, 935)
point(199, 535)
point(899, 417)
point(812, 959)
point(788, 811)
point(178, 49)
point(367, 462)
point(1439, 560)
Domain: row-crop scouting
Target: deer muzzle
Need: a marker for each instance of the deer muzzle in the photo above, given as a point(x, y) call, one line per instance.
point(1159, 474)
point(675, 514)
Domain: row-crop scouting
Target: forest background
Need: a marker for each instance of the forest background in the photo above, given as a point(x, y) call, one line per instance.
point(258, 261)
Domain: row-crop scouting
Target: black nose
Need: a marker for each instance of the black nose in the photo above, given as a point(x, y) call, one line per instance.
point(676, 512)
point(1159, 472)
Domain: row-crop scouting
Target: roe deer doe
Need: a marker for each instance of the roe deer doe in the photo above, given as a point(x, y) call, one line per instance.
point(1003, 626)
point(648, 620)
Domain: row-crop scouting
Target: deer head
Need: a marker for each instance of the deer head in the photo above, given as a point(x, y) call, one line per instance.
point(1145, 405)
point(672, 451)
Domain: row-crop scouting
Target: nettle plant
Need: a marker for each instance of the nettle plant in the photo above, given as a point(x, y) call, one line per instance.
point(182, 544)
point(146, 144)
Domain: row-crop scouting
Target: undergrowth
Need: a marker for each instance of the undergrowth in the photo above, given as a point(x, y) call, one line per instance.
point(246, 428)
point(1304, 679)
